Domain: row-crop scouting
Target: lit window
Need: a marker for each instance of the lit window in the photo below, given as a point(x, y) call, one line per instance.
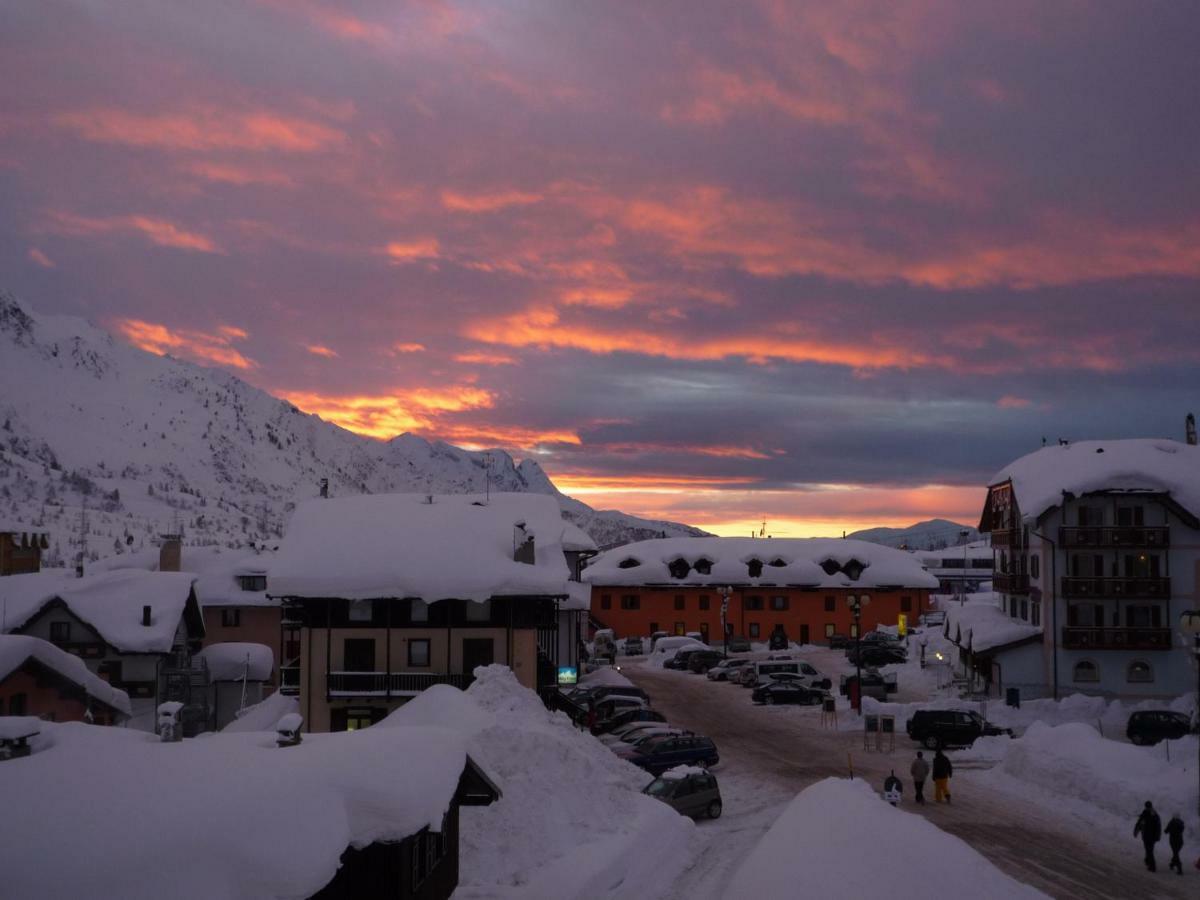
point(1139, 672)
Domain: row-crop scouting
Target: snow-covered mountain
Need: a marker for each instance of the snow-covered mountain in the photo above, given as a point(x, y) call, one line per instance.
point(146, 443)
point(933, 534)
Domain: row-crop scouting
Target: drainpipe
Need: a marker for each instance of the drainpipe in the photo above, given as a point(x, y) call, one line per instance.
point(1053, 603)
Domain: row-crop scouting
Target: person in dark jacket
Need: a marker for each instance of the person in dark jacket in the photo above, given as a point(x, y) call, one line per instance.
point(919, 771)
point(1149, 827)
point(942, 773)
point(1174, 832)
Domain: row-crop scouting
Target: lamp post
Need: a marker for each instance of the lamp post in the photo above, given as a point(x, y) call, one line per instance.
point(725, 593)
point(1189, 623)
point(962, 597)
point(856, 604)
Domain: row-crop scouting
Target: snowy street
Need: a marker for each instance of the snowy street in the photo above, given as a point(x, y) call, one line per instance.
point(768, 754)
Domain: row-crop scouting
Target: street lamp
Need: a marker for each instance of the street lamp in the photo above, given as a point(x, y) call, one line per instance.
point(725, 593)
point(1189, 623)
point(964, 534)
point(856, 604)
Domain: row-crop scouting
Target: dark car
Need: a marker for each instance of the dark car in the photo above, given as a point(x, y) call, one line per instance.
point(680, 659)
point(788, 692)
point(671, 750)
point(839, 641)
point(1148, 727)
point(703, 660)
point(633, 646)
point(935, 728)
point(627, 717)
point(877, 655)
point(736, 643)
point(689, 791)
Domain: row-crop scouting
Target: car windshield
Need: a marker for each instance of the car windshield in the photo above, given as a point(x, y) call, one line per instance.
point(660, 787)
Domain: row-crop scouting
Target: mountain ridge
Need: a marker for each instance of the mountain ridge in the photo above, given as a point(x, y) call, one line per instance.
point(932, 534)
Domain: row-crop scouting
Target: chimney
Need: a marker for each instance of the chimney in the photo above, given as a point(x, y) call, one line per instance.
point(146, 616)
point(169, 553)
point(523, 545)
point(325, 488)
point(1191, 429)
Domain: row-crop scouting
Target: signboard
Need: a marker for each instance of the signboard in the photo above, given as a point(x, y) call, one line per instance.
point(902, 625)
point(568, 675)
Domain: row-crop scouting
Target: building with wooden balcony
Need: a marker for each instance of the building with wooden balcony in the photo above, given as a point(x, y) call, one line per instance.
point(386, 595)
point(1098, 543)
point(39, 679)
point(21, 548)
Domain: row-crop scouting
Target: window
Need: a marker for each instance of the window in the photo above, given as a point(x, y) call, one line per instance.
point(830, 630)
point(629, 563)
point(703, 566)
point(679, 601)
point(479, 612)
point(1142, 565)
point(360, 611)
point(906, 604)
point(418, 653)
point(830, 604)
point(853, 630)
point(1143, 616)
point(17, 705)
point(853, 569)
point(1139, 672)
point(1086, 670)
point(704, 601)
point(1131, 517)
point(252, 582)
point(753, 603)
point(754, 568)
point(753, 629)
point(418, 611)
point(679, 568)
point(1035, 613)
point(358, 655)
point(779, 603)
point(1035, 566)
point(680, 628)
point(653, 627)
point(606, 601)
point(231, 618)
point(60, 632)
point(359, 718)
point(1085, 615)
point(1025, 609)
point(830, 566)
point(1090, 517)
point(631, 601)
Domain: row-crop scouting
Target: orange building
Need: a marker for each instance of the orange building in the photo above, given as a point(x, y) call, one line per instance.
point(20, 549)
point(679, 585)
point(39, 679)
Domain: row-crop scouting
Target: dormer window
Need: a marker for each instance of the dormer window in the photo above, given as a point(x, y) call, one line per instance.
point(703, 566)
point(679, 568)
point(252, 582)
point(777, 563)
point(853, 569)
point(629, 563)
point(754, 568)
point(831, 566)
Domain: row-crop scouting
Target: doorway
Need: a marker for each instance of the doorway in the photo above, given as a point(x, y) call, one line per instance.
point(803, 634)
point(477, 652)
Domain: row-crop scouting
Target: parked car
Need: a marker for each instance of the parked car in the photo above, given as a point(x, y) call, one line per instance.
point(667, 751)
point(680, 660)
point(726, 669)
point(1148, 727)
point(634, 716)
point(595, 693)
point(837, 640)
point(735, 643)
point(778, 639)
point(696, 636)
point(789, 691)
point(612, 706)
point(654, 638)
point(604, 644)
point(703, 660)
point(628, 744)
point(620, 732)
point(746, 676)
point(873, 684)
point(806, 675)
point(877, 655)
point(633, 646)
point(690, 791)
point(934, 728)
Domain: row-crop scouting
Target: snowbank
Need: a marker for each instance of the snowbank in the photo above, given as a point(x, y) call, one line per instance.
point(264, 716)
point(605, 676)
point(233, 660)
point(16, 649)
point(816, 848)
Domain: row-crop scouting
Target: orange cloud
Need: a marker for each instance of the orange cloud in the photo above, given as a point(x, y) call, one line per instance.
point(485, 359)
point(408, 348)
point(215, 347)
point(41, 258)
point(1008, 401)
point(321, 350)
point(728, 452)
point(157, 231)
point(402, 252)
point(487, 202)
point(205, 128)
point(226, 173)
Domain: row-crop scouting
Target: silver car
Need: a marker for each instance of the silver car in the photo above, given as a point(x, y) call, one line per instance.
point(689, 790)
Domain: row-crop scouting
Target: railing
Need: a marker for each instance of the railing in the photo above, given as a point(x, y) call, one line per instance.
point(385, 684)
point(1140, 587)
point(289, 679)
point(1004, 537)
point(1010, 583)
point(1121, 536)
point(1075, 638)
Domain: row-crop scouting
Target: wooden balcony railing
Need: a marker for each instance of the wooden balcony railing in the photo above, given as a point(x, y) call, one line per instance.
point(1010, 583)
point(1004, 537)
point(1100, 537)
point(393, 684)
point(289, 680)
point(1147, 588)
point(1075, 638)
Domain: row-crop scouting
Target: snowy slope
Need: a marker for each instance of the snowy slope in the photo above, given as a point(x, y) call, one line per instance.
point(933, 534)
point(151, 443)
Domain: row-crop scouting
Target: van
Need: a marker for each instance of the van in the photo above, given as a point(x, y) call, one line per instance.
point(792, 669)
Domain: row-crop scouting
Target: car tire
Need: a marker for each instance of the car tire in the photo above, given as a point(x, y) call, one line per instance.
point(714, 810)
point(932, 742)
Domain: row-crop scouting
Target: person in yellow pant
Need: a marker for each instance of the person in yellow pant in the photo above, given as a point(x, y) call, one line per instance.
point(942, 773)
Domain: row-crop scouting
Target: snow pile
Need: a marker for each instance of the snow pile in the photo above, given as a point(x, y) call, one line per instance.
point(816, 848)
point(230, 816)
point(605, 676)
point(263, 716)
point(573, 823)
point(233, 660)
point(17, 649)
point(444, 705)
point(398, 545)
point(15, 727)
point(1143, 464)
point(981, 624)
point(784, 561)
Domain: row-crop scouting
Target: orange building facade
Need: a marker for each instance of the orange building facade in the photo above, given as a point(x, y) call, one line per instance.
point(807, 615)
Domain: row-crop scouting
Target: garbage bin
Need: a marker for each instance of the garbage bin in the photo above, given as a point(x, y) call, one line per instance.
point(1012, 696)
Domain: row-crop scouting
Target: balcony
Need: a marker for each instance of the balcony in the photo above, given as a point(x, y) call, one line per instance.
point(1004, 537)
point(1010, 583)
point(1140, 588)
point(1074, 638)
point(1121, 537)
point(389, 684)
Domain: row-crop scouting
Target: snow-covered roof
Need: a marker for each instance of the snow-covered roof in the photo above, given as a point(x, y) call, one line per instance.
point(785, 561)
point(265, 715)
point(24, 533)
point(981, 624)
point(1141, 464)
point(398, 545)
point(17, 649)
point(13, 728)
point(110, 602)
point(576, 539)
point(233, 660)
point(187, 820)
point(216, 570)
point(579, 597)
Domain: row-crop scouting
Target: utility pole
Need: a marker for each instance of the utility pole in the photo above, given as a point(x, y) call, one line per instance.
point(856, 604)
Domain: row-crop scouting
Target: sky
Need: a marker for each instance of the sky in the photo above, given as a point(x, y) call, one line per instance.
point(827, 265)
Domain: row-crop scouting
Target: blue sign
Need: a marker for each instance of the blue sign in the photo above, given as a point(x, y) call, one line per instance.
point(568, 675)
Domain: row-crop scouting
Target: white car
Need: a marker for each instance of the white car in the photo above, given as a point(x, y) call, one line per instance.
point(725, 669)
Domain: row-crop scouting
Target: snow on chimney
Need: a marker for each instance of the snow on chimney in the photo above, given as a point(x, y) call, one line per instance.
point(523, 545)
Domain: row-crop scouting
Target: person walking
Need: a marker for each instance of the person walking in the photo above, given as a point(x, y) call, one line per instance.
point(942, 773)
point(893, 787)
point(1174, 832)
point(1149, 827)
point(919, 771)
